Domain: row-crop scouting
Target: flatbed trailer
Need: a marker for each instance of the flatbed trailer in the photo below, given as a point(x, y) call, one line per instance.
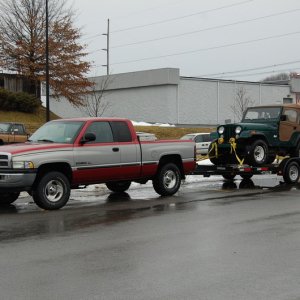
point(288, 168)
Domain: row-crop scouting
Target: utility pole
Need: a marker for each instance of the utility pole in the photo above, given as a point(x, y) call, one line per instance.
point(107, 49)
point(47, 66)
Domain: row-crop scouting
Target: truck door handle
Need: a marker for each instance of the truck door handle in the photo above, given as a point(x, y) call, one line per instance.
point(115, 149)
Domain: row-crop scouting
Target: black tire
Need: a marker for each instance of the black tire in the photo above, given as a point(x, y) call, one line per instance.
point(246, 176)
point(215, 160)
point(118, 186)
point(167, 180)
point(228, 176)
point(246, 184)
point(291, 172)
point(52, 191)
point(258, 153)
point(8, 198)
point(296, 152)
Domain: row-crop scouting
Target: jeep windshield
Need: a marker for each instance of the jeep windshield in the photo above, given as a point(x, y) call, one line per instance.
point(269, 114)
point(57, 132)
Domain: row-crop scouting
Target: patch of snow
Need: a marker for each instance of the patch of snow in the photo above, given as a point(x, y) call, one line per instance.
point(152, 124)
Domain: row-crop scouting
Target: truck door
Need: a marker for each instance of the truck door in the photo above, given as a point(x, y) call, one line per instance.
point(129, 150)
point(99, 160)
point(289, 126)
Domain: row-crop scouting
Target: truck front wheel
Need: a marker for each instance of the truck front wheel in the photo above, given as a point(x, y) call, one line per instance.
point(167, 180)
point(8, 198)
point(52, 191)
point(118, 186)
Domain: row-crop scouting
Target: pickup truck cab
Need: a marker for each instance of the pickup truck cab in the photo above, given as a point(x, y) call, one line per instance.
point(71, 153)
point(11, 132)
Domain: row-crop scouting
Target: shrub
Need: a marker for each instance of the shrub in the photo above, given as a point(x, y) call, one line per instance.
point(19, 101)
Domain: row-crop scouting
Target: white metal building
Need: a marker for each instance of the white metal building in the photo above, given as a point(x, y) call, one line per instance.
point(163, 96)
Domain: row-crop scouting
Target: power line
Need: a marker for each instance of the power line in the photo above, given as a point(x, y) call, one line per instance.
point(206, 29)
point(207, 49)
point(266, 72)
point(182, 17)
point(174, 19)
point(251, 69)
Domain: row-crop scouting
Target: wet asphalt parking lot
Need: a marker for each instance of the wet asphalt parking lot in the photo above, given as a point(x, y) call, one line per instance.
point(213, 240)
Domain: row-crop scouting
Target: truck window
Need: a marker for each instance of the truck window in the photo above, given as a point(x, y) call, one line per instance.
point(20, 129)
point(121, 131)
point(102, 131)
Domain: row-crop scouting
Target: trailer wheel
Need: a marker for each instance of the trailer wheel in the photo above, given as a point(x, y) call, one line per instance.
point(8, 198)
point(246, 176)
point(291, 172)
point(52, 191)
point(167, 180)
point(228, 176)
point(118, 186)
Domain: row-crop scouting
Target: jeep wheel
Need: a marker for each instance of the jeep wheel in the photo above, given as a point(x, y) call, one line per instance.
point(118, 186)
point(258, 154)
point(167, 180)
point(52, 191)
point(219, 160)
point(8, 198)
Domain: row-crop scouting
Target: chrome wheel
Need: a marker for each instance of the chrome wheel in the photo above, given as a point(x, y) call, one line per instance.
point(170, 179)
point(259, 153)
point(294, 173)
point(54, 190)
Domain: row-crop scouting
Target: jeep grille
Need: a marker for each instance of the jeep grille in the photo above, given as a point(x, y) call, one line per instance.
point(229, 132)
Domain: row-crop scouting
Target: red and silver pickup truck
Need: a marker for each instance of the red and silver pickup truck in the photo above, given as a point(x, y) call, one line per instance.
point(71, 153)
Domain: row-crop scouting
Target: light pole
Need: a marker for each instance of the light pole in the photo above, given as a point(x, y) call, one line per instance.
point(107, 49)
point(47, 66)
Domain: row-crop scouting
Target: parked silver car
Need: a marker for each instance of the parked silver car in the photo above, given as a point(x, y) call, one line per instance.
point(201, 139)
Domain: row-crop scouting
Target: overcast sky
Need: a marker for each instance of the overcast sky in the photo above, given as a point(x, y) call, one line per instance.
point(213, 38)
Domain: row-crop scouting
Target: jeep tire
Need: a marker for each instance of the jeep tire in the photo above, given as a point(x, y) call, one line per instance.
point(258, 153)
point(52, 191)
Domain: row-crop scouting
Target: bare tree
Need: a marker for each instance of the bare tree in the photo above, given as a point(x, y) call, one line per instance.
point(94, 103)
point(22, 45)
point(241, 102)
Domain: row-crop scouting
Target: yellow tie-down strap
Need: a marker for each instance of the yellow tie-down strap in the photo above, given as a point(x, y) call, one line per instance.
point(233, 150)
point(214, 147)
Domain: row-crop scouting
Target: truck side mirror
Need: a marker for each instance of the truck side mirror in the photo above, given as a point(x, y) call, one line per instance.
point(283, 118)
point(88, 137)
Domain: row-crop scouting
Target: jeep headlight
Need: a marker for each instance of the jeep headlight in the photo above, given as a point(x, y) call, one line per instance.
point(23, 165)
point(238, 129)
point(221, 130)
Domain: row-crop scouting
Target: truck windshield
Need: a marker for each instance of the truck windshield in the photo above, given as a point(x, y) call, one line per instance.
point(262, 113)
point(57, 132)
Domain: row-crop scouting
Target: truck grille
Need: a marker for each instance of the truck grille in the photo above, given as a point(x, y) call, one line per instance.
point(5, 160)
point(229, 132)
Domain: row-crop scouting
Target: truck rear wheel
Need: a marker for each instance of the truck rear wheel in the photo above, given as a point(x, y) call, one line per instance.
point(118, 186)
point(52, 191)
point(167, 180)
point(8, 198)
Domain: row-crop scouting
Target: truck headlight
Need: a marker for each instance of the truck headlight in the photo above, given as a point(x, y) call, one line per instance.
point(221, 130)
point(23, 165)
point(238, 129)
